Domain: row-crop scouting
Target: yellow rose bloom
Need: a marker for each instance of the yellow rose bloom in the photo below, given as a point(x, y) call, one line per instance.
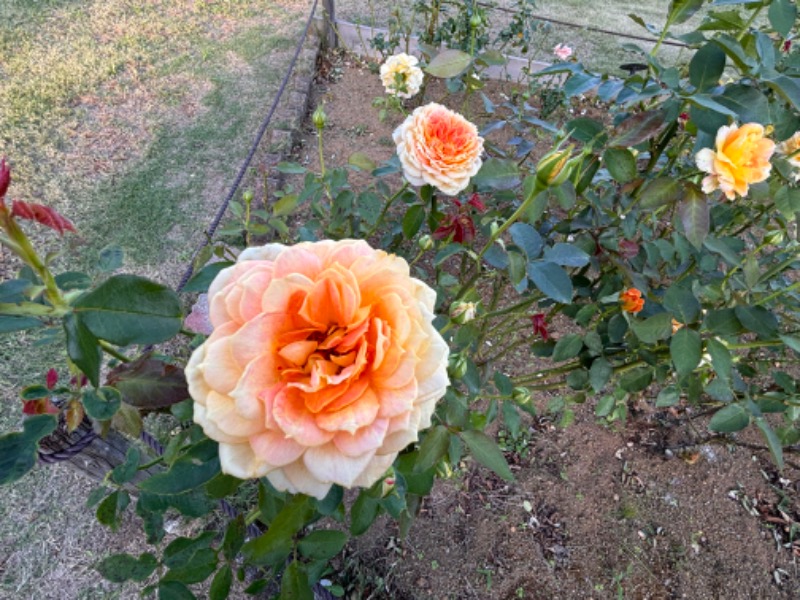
point(741, 158)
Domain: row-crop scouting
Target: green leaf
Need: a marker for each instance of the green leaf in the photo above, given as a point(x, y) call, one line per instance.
point(294, 583)
point(661, 191)
point(747, 102)
point(203, 278)
point(221, 584)
point(127, 470)
point(527, 238)
point(127, 309)
point(101, 404)
point(655, 328)
point(669, 396)
point(322, 545)
point(729, 419)
point(787, 87)
point(446, 252)
point(274, 546)
point(362, 162)
point(707, 66)
point(722, 322)
point(621, 164)
point(448, 63)
point(291, 168)
point(721, 359)
point(604, 406)
point(110, 258)
point(792, 342)
point(695, 217)
point(234, 538)
point(758, 320)
point(782, 16)
point(18, 450)
point(174, 590)
point(636, 379)
point(551, 280)
point(119, 568)
point(190, 471)
point(10, 323)
point(83, 348)
point(369, 207)
point(412, 220)
point(599, 374)
point(683, 10)
point(362, 515)
point(773, 443)
point(568, 346)
point(497, 174)
point(685, 348)
point(486, 452)
point(433, 448)
point(566, 255)
point(787, 200)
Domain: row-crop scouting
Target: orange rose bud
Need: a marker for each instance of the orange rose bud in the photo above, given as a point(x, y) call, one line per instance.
point(631, 300)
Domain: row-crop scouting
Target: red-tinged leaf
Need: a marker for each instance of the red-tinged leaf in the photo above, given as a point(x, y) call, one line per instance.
point(52, 379)
point(639, 127)
point(42, 214)
point(42, 406)
point(149, 383)
point(74, 415)
point(5, 179)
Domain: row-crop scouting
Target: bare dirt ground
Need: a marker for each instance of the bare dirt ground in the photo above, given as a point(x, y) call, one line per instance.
point(655, 509)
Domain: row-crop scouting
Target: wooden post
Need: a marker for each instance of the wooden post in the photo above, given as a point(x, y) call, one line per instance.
point(331, 39)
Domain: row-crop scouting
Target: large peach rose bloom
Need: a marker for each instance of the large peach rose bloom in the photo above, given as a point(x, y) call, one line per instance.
point(741, 158)
point(439, 147)
point(401, 75)
point(323, 364)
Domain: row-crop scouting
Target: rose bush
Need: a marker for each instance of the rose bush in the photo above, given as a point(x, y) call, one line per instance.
point(323, 365)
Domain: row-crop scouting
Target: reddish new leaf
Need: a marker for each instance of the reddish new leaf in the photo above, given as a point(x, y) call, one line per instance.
point(74, 415)
point(149, 383)
point(40, 406)
point(42, 214)
point(5, 179)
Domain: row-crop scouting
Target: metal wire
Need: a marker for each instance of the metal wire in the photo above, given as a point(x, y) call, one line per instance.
point(209, 234)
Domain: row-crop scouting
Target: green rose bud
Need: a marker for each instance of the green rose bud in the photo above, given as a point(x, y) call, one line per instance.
point(555, 167)
point(319, 118)
point(457, 366)
point(425, 243)
point(521, 396)
point(463, 312)
point(475, 21)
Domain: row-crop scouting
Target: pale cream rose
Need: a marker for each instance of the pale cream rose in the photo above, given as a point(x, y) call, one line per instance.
point(401, 76)
point(323, 364)
point(741, 158)
point(791, 150)
point(439, 147)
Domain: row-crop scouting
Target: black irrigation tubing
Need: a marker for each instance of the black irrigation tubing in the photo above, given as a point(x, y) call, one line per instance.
point(589, 27)
point(209, 234)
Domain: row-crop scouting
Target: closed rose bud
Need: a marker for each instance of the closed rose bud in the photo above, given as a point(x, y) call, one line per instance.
point(463, 312)
point(521, 396)
point(425, 243)
point(388, 483)
point(319, 118)
point(554, 168)
point(457, 366)
point(475, 21)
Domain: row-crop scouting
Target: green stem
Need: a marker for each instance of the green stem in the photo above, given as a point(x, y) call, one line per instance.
point(385, 209)
point(746, 26)
point(774, 295)
point(109, 349)
point(537, 189)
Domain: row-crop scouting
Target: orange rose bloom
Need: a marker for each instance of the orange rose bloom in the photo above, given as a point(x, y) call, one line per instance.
point(323, 364)
point(742, 157)
point(439, 147)
point(631, 300)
